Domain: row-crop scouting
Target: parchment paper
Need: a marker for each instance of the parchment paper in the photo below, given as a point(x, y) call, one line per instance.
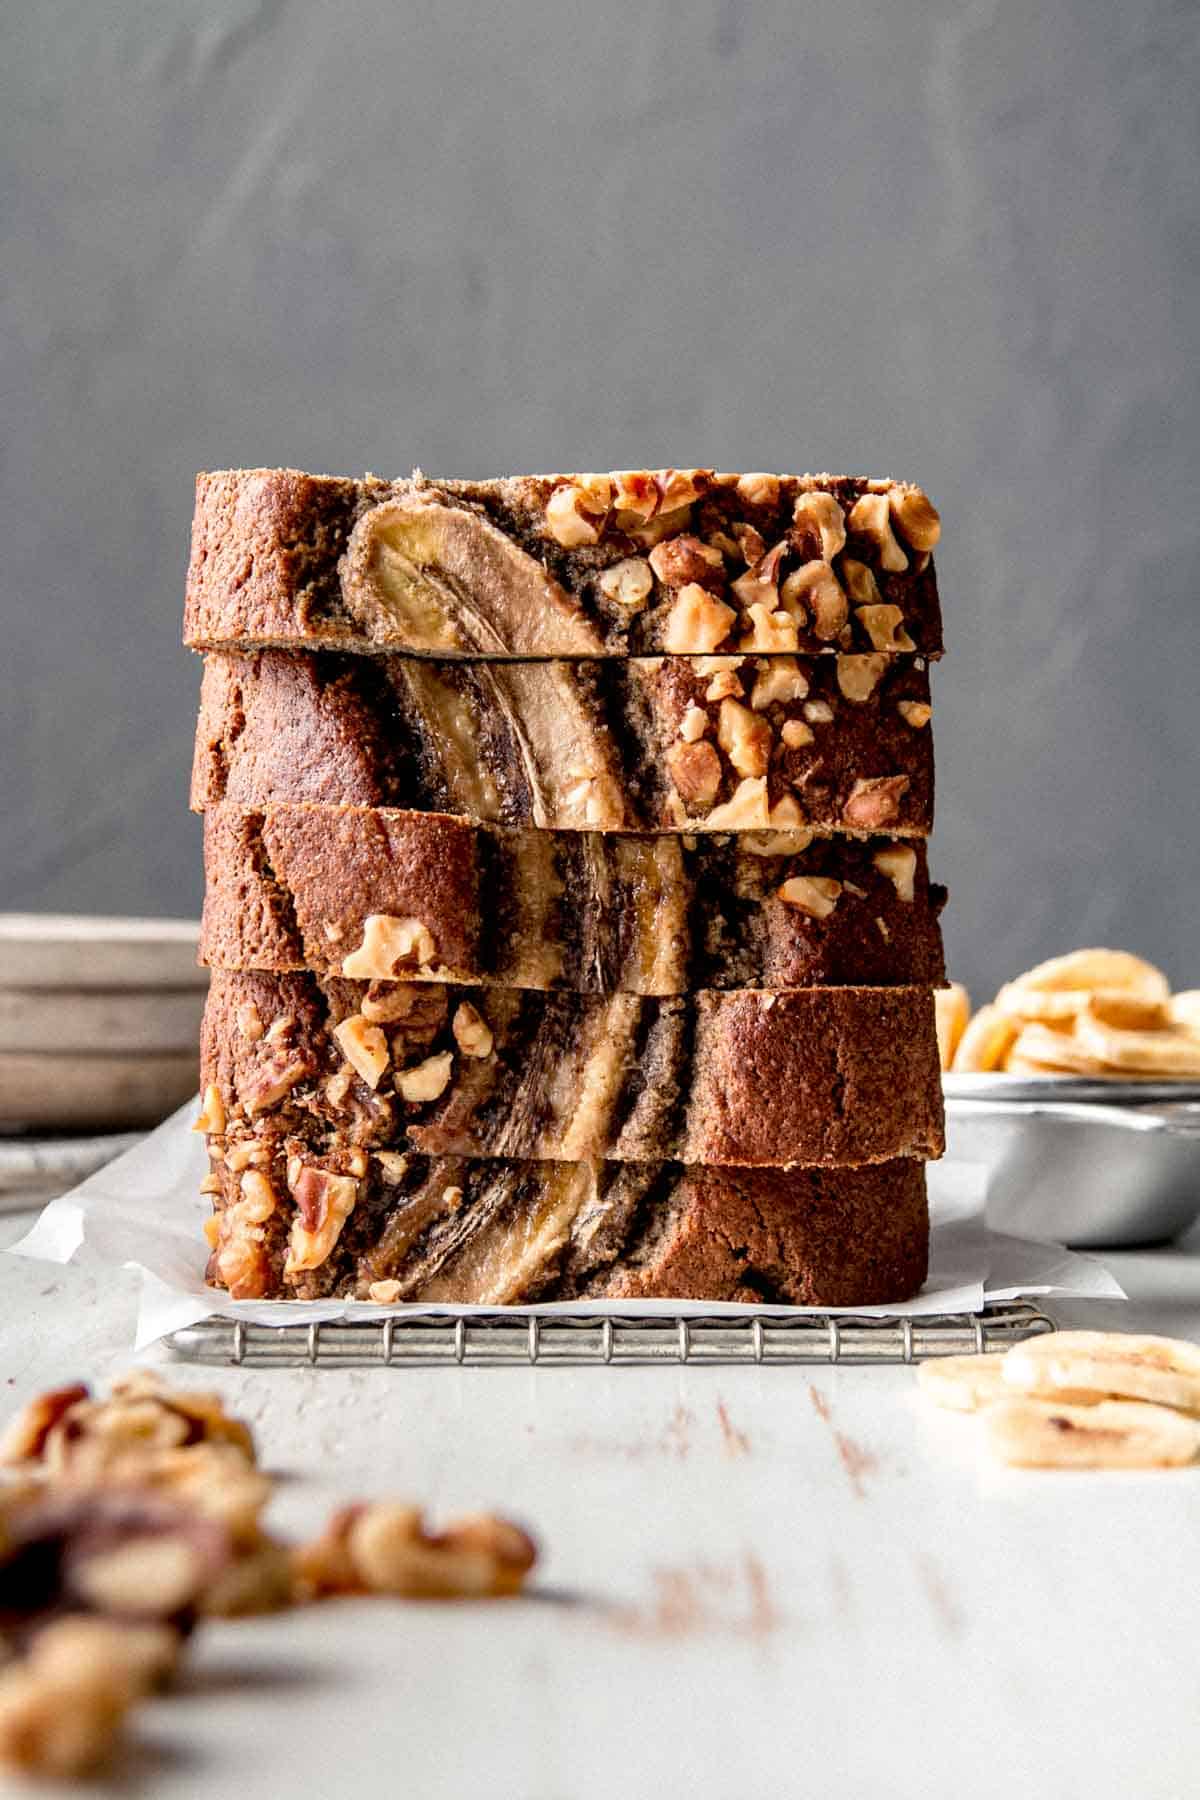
point(144, 1211)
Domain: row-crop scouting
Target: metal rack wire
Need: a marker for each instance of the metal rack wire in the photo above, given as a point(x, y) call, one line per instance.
point(548, 1340)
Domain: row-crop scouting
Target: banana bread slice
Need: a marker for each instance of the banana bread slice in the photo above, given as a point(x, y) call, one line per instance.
point(293, 1223)
point(637, 744)
point(422, 896)
point(682, 560)
point(818, 1076)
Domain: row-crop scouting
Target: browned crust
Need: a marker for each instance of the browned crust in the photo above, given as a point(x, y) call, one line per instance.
point(268, 546)
point(292, 888)
point(568, 745)
point(807, 1237)
point(820, 1077)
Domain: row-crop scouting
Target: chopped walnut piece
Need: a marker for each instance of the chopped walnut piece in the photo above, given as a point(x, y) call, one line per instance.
point(770, 632)
point(338, 1086)
point(745, 738)
point(62, 1729)
point(813, 591)
point(452, 1198)
point(680, 560)
point(383, 1005)
point(635, 496)
point(859, 676)
point(25, 1436)
point(860, 581)
point(899, 863)
point(240, 1256)
point(746, 806)
point(816, 895)
point(874, 801)
point(759, 586)
point(212, 1111)
point(916, 517)
point(323, 1204)
point(249, 1021)
point(749, 544)
point(916, 713)
point(393, 1163)
point(787, 813)
point(884, 625)
point(697, 622)
point(383, 1293)
point(820, 517)
point(279, 1028)
point(680, 487)
point(628, 583)
point(870, 517)
point(425, 1080)
point(383, 1548)
point(758, 489)
point(386, 943)
point(576, 510)
point(272, 1080)
point(774, 843)
point(364, 1047)
point(693, 725)
point(695, 771)
point(653, 531)
point(884, 933)
point(726, 684)
point(472, 1033)
point(779, 681)
point(795, 734)
point(818, 712)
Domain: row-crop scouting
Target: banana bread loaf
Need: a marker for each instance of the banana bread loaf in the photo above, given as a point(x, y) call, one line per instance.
point(644, 744)
point(818, 1076)
point(404, 895)
point(292, 1223)
point(682, 560)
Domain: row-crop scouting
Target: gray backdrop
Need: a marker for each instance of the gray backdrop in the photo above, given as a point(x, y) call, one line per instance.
point(957, 243)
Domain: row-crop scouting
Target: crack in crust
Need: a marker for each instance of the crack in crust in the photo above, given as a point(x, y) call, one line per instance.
point(816, 1077)
point(293, 888)
point(495, 1233)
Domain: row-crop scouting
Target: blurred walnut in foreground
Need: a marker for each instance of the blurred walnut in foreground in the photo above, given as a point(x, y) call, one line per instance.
point(1100, 1013)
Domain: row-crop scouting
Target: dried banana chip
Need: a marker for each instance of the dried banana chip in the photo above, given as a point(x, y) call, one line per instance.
point(1118, 1364)
point(952, 1007)
point(1089, 969)
point(1116, 1006)
point(962, 1383)
point(1185, 1009)
point(1114, 1434)
point(1171, 1051)
point(985, 1043)
point(1050, 1052)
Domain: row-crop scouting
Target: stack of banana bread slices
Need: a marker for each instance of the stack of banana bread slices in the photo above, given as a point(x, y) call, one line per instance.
point(567, 902)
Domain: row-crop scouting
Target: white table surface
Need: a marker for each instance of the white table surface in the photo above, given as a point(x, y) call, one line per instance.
point(754, 1581)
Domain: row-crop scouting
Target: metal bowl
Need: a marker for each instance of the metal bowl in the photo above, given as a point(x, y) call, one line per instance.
point(1090, 1173)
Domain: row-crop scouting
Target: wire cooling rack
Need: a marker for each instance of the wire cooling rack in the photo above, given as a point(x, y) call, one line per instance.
point(560, 1339)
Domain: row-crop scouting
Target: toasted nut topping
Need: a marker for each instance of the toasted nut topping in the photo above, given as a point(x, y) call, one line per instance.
point(787, 813)
point(386, 943)
point(628, 583)
point(323, 1204)
point(916, 713)
point(795, 733)
point(249, 1021)
point(384, 1548)
point(744, 737)
point(770, 631)
point(693, 725)
point(780, 680)
point(426, 1080)
point(635, 494)
point(884, 625)
point(1114, 1434)
point(870, 517)
point(212, 1112)
point(393, 1163)
point(653, 531)
point(58, 1728)
point(695, 771)
point(679, 487)
point(726, 684)
point(861, 584)
point(364, 1047)
point(272, 1081)
point(859, 676)
point(157, 1574)
point(899, 863)
point(874, 801)
point(679, 560)
point(818, 712)
point(758, 489)
point(576, 510)
point(816, 895)
point(746, 806)
point(383, 1292)
point(813, 590)
point(821, 516)
point(962, 1383)
point(697, 622)
point(472, 1033)
point(916, 517)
